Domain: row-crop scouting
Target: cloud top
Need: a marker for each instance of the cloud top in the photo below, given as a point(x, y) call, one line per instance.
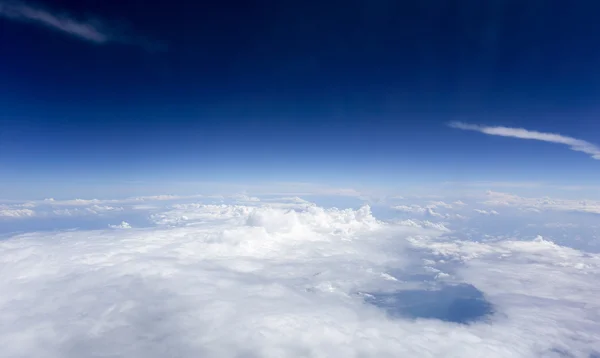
point(575, 144)
point(253, 280)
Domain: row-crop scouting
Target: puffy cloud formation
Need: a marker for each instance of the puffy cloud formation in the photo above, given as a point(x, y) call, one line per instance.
point(431, 210)
point(486, 212)
point(573, 143)
point(8, 212)
point(122, 225)
point(292, 280)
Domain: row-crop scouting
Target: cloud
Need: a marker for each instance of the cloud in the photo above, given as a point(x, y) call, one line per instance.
point(537, 205)
point(243, 198)
point(16, 213)
point(485, 212)
point(93, 210)
point(262, 280)
point(573, 143)
point(427, 211)
point(439, 204)
point(122, 225)
point(430, 211)
point(89, 30)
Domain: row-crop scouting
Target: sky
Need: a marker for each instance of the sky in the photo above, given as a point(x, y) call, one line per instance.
point(299, 179)
point(353, 93)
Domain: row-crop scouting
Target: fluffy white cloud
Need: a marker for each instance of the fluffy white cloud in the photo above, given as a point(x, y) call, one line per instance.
point(538, 204)
point(416, 209)
point(486, 212)
point(439, 204)
point(573, 143)
point(423, 224)
point(122, 225)
point(269, 281)
point(431, 210)
point(7, 212)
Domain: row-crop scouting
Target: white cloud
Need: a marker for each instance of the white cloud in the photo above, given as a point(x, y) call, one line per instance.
point(292, 199)
point(243, 198)
point(91, 210)
point(90, 30)
point(539, 288)
point(416, 209)
point(266, 281)
point(486, 212)
point(439, 204)
point(16, 213)
point(573, 143)
point(428, 210)
point(78, 202)
point(494, 198)
point(423, 224)
point(162, 197)
point(122, 225)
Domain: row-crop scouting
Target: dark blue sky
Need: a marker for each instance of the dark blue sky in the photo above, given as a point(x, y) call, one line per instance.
point(299, 90)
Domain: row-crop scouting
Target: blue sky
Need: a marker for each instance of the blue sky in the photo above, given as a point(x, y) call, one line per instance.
point(348, 93)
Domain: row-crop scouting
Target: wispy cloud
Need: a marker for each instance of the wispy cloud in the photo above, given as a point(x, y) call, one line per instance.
point(90, 30)
point(573, 143)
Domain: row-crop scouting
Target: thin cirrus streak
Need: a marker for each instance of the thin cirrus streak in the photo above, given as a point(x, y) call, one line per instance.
point(85, 30)
point(575, 144)
point(89, 30)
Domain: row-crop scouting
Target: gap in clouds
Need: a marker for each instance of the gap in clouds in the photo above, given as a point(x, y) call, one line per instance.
point(461, 303)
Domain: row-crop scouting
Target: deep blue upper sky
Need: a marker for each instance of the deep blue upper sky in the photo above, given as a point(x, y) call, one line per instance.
point(300, 90)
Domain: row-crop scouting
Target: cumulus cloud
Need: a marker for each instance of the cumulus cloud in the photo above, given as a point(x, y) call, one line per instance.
point(122, 225)
point(262, 280)
point(573, 143)
point(440, 204)
point(429, 210)
point(423, 224)
point(16, 213)
point(486, 212)
point(89, 30)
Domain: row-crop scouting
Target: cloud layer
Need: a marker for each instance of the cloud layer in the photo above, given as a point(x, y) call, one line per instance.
point(291, 278)
point(573, 143)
